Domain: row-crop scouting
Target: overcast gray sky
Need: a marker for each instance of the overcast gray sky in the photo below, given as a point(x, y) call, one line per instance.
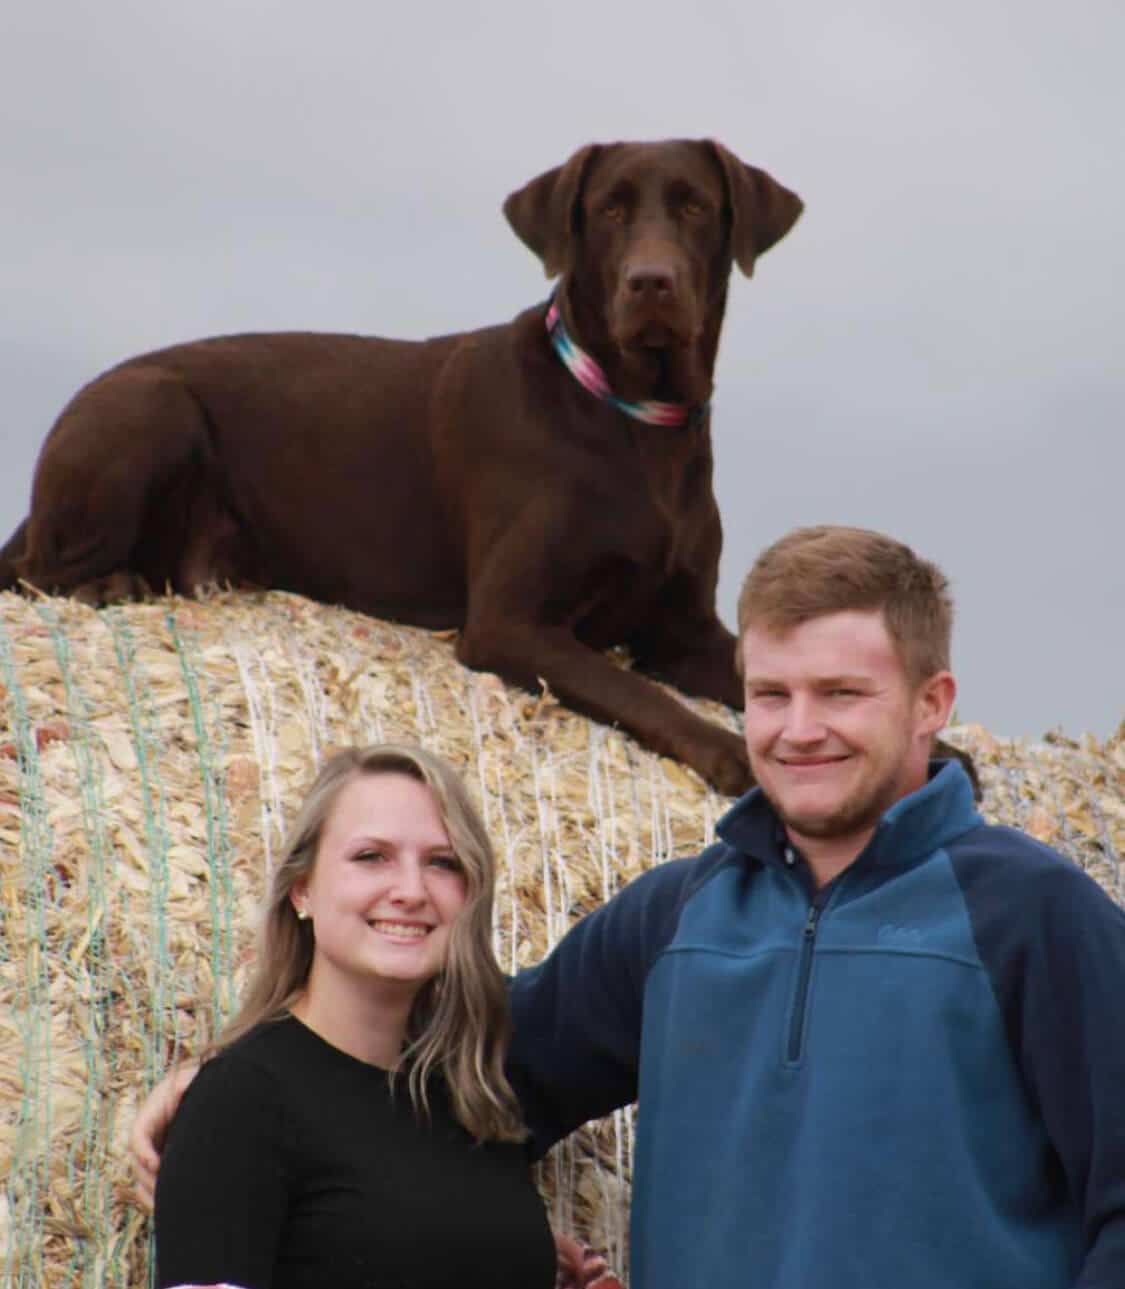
point(936, 349)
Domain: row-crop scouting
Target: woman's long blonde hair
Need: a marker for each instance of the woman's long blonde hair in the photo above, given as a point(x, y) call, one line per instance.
point(459, 1024)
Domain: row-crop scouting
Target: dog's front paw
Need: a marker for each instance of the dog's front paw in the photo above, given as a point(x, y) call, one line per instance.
point(722, 761)
point(949, 752)
point(115, 588)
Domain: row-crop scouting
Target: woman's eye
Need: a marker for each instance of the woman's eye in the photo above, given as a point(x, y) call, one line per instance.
point(448, 863)
point(693, 209)
point(370, 855)
point(614, 210)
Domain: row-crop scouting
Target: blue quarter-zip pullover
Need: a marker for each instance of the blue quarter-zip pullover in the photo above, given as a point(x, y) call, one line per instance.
point(911, 1079)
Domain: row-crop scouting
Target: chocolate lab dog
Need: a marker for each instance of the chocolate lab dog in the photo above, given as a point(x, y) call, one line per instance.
point(544, 485)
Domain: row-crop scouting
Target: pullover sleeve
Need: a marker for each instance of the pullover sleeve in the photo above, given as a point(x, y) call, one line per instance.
point(1056, 953)
point(221, 1189)
point(577, 1015)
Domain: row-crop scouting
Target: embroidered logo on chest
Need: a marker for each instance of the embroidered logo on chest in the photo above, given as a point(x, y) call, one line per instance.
point(905, 937)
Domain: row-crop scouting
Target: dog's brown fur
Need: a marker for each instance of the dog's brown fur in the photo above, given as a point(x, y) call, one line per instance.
point(466, 481)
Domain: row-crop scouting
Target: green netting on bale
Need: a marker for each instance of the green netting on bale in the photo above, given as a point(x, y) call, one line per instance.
point(149, 758)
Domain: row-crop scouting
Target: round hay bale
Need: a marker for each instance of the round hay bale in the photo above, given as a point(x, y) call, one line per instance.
point(150, 756)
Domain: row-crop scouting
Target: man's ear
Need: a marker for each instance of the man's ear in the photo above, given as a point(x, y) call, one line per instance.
point(933, 702)
point(761, 210)
point(542, 213)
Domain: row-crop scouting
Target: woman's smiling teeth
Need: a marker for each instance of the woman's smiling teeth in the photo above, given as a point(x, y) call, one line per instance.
point(404, 930)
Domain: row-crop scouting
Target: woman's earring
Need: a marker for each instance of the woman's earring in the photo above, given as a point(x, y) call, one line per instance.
point(302, 915)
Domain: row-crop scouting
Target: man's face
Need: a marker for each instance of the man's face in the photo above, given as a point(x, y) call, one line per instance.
point(834, 730)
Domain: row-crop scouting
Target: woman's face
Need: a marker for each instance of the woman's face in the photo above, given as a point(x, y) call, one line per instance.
point(386, 887)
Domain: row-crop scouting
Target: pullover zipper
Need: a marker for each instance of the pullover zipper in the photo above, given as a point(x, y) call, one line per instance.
point(797, 1024)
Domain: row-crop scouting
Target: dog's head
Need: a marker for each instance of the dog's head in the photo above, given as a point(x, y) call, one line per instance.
point(644, 236)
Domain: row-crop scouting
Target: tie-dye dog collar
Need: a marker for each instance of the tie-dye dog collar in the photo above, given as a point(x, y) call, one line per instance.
point(587, 372)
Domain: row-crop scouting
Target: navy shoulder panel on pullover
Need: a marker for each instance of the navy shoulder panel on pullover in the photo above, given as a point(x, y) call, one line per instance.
point(1053, 944)
point(577, 1015)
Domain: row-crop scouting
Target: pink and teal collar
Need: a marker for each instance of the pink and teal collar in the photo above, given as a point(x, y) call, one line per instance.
point(588, 373)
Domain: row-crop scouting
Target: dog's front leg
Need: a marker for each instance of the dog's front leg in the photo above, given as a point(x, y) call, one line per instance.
point(686, 645)
point(701, 664)
point(526, 653)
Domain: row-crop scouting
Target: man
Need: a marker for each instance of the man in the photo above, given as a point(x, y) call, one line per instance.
point(874, 1040)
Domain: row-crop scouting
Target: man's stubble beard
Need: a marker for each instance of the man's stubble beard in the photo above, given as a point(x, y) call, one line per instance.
point(857, 815)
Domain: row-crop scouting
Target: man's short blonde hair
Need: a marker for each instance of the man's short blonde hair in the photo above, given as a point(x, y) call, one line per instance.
point(812, 572)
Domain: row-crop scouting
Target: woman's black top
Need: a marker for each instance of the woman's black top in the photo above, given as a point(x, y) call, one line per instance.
point(290, 1165)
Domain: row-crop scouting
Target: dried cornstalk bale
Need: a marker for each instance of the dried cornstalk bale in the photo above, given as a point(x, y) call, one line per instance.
point(149, 758)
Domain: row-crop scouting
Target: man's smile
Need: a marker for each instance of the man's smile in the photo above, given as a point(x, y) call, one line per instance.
point(812, 762)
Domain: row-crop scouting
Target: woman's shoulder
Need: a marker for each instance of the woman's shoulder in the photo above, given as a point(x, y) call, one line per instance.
point(241, 1093)
point(267, 1040)
point(266, 1057)
point(287, 1051)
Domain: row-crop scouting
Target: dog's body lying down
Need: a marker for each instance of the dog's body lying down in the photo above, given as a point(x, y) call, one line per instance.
point(548, 493)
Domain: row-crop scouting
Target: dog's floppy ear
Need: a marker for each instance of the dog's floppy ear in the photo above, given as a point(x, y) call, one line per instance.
point(762, 211)
point(542, 213)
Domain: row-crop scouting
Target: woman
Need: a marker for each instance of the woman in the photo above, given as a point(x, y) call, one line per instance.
point(353, 1125)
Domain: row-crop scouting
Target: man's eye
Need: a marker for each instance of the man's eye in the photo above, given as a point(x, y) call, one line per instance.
point(614, 210)
point(693, 209)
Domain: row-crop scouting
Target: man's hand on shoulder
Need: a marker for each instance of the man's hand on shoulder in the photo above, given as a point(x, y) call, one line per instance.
point(150, 1129)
